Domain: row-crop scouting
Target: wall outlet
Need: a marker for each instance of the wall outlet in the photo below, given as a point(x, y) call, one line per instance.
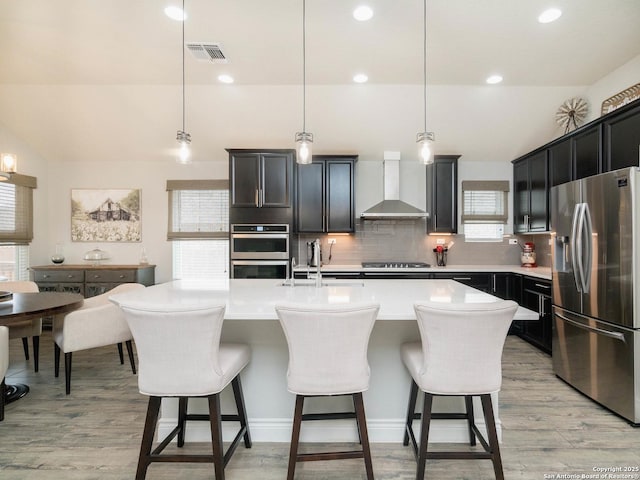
point(513, 241)
point(332, 241)
point(440, 241)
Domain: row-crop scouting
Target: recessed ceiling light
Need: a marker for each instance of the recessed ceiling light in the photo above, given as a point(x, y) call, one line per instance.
point(360, 78)
point(225, 78)
point(175, 13)
point(493, 79)
point(363, 13)
point(550, 15)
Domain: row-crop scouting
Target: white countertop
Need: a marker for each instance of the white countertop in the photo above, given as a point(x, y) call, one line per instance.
point(256, 299)
point(539, 272)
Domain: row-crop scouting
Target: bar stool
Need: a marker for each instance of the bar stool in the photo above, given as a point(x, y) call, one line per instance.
point(180, 355)
point(328, 357)
point(460, 355)
point(4, 365)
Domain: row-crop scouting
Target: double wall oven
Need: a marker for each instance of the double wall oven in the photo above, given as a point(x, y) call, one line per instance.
point(259, 250)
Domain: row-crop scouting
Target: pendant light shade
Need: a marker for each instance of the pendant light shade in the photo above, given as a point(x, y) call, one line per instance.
point(183, 138)
point(425, 139)
point(304, 139)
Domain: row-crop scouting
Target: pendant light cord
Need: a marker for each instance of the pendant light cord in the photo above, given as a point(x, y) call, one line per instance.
point(182, 48)
point(424, 57)
point(304, 65)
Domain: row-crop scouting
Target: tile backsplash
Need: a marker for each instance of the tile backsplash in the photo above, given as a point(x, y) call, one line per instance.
point(405, 240)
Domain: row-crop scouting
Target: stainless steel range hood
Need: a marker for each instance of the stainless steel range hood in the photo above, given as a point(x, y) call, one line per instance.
point(392, 207)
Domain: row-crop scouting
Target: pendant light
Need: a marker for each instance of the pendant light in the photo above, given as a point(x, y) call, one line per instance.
point(304, 139)
point(183, 138)
point(425, 139)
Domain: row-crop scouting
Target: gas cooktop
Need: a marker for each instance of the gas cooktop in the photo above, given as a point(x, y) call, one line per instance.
point(395, 265)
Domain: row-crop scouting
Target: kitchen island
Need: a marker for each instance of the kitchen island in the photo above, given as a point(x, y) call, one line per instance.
point(250, 318)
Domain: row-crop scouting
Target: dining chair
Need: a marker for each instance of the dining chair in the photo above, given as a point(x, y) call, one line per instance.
point(4, 365)
point(459, 354)
point(180, 355)
point(328, 357)
point(26, 328)
point(97, 323)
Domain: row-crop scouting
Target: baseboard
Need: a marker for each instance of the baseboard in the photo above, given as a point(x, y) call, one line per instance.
point(279, 430)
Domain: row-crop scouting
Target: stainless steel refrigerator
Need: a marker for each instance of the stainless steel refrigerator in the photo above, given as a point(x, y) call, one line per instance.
point(596, 324)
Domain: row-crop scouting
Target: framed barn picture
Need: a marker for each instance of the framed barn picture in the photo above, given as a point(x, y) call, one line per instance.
point(109, 215)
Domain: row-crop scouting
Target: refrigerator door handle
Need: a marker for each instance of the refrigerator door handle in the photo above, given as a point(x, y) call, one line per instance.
point(572, 246)
point(588, 256)
point(580, 247)
point(599, 331)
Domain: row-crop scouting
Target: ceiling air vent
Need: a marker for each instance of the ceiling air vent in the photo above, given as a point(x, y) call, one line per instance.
point(208, 52)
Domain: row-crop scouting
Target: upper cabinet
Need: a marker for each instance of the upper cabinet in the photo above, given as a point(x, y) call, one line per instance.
point(261, 185)
point(622, 139)
point(530, 197)
point(442, 194)
point(608, 143)
point(326, 195)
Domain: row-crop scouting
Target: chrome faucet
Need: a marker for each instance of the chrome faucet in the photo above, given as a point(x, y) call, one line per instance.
point(316, 247)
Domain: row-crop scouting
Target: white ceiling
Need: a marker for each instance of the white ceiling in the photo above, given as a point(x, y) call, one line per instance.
point(133, 42)
point(63, 61)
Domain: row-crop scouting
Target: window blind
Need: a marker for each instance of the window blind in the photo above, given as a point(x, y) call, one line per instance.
point(16, 210)
point(198, 209)
point(484, 201)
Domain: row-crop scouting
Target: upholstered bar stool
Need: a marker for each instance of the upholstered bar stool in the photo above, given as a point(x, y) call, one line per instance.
point(26, 328)
point(460, 355)
point(180, 355)
point(4, 365)
point(328, 356)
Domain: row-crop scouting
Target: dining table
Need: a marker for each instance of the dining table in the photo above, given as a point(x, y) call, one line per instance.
point(27, 306)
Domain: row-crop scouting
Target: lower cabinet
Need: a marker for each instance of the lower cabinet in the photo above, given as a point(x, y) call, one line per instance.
point(90, 281)
point(536, 296)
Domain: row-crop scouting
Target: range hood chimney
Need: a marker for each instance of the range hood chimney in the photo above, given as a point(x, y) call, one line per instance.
point(391, 207)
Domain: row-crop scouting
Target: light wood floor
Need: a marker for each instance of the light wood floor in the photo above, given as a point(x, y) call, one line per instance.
point(548, 429)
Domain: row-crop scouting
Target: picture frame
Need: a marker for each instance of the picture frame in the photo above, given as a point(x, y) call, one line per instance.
point(106, 215)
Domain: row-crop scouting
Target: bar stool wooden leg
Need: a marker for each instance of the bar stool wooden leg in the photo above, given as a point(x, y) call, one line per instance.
point(490, 422)
point(468, 400)
point(182, 419)
point(242, 411)
point(36, 352)
point(411, 408)
point(216, 435)
point(147, 437)
point(295, 436)
point(424, 435)
point(3, 387)
point(363, 433)
point(120, 353)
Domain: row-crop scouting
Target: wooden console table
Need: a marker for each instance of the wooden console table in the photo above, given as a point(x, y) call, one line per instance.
point(89, 280)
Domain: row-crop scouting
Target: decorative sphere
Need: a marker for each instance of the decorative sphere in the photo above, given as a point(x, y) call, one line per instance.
point(57, 258)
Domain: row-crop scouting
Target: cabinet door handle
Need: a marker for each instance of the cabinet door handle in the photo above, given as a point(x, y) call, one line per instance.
point(69, 276)
point(495, 289)
point(96, 276)
point(262, 197)
point(461, 278)
point(435, 221)
point(547, 287)
point(121, 276)
point(257, 202)
point(45, 276)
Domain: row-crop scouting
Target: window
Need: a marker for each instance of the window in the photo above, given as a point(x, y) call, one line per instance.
point(16, 226)
point(199, 228)
point(484, 210)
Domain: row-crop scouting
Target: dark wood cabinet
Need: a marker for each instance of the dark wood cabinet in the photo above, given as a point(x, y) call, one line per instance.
point(560, 163)
point(586, 151)
point(622, 140)
point(261, 185)
point(536, 296)
point(530, 193)
point(326, 195)
point(442, 194)
point(90, 281)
